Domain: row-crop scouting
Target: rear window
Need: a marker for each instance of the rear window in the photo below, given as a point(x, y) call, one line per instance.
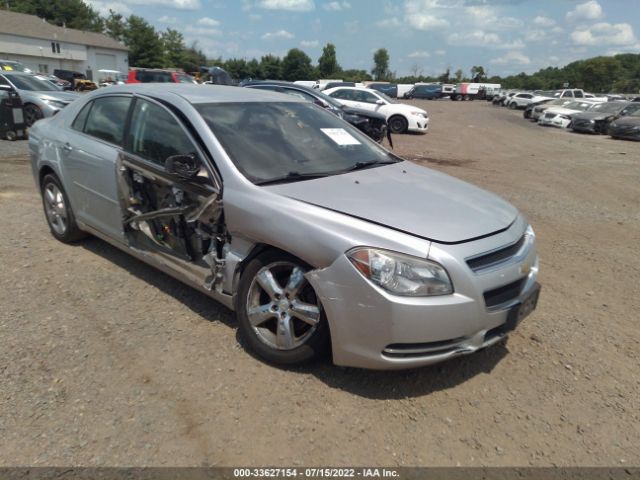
point(147, 76)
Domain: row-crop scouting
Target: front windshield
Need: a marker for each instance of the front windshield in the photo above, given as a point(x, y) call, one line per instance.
point(578, 106)
point(31, 83)
point(270, 140)
point(184, 78)
point(608, 107)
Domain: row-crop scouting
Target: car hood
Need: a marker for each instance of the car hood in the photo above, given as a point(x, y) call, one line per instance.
point(364, 113)
point(61, 96)
point(629, 121)
point(593, 115)
point(562, 111)
point(403, 107)
point(409, 198)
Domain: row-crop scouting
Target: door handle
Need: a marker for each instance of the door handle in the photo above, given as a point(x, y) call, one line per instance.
point(67, 147)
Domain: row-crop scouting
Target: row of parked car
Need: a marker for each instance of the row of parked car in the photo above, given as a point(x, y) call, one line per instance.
point(614, 115)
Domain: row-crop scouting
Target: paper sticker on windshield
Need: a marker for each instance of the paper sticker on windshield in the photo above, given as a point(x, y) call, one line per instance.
point(340, 136)
point(7, 67)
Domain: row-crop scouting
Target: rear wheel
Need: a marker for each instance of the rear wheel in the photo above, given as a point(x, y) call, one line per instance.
point(398, 124)
point(279, 313)
point(57, 209)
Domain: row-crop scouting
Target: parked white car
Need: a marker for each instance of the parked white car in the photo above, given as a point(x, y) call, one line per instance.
point(401, 118)
point(522, 99)
point(561, 116)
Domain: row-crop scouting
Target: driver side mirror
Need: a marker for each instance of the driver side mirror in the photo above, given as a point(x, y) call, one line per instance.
point(7, 88)
point(379, 102)
point(185, 166)
point(321, 103)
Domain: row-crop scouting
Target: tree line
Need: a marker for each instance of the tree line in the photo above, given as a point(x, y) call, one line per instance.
point(152, 48)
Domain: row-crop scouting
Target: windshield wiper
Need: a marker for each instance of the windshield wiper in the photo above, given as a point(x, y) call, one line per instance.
point(291, 177)
point(363, 165)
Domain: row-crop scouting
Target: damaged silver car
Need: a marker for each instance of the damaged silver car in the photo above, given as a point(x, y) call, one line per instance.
point(320, 239)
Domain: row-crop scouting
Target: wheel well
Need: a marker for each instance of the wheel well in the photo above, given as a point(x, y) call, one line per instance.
point(46, 170)
point(398, 115)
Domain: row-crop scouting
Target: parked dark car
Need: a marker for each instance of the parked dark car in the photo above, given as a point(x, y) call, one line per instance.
point(389, 89)
point(598, 117)
point(528, 110)
point(428, 92)
point(626, 127)
point(371, 123)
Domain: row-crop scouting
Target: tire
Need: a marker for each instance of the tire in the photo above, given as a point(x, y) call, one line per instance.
point(513, 106)
point(10, 135)
point(32, 114)
point(398, 124)
point(281, 325)
point(57, 211)
point(457, 98)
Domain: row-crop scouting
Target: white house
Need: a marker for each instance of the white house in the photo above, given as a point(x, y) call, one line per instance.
point(44, 47)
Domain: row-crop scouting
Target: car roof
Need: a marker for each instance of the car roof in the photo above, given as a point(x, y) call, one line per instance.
point(201, 93)
point(355, 88)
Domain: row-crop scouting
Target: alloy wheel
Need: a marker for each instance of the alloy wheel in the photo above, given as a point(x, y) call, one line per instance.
point(282, 307)
point(55, 208)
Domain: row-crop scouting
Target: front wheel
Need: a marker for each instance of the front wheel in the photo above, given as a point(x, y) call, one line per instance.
point(279, 314)
point(512, 105)
point(398, 124)
point(32, 114)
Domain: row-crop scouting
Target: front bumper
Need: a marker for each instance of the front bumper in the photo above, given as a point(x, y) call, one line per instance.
point(418, 125)
point(371, 328)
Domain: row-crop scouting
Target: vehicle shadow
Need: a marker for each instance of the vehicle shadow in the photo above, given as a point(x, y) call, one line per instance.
point(196, 301)
point(371, 384)
point(417, 382)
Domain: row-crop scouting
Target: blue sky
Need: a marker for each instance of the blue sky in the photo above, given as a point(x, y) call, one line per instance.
point(504, 36)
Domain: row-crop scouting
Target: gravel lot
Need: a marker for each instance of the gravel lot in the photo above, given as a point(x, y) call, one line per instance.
point(105, 361)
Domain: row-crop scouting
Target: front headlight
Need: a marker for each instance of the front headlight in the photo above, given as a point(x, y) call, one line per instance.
point(55, 103)
point(401, 274)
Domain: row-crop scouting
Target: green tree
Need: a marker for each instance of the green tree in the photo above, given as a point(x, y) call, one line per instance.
point(174, 48)
point(477, 73)
point(145, 46)
point(459, 75)
point(296, 65)
point(270, 67)
point(380, 68)
point(444, 78)
point(115, 25)
point(353, 75)
point(327, 63)
point(72, 13)
point(193, 58)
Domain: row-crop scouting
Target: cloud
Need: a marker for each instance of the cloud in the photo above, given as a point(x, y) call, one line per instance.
point(336, 6)
point(278, 34)
point(512, 57)
point(590, 10)
point(605, 34)
point(545, 22)
point(290, 5)
point(208, 22)
point(420, 15)
point(168, 20)
point(309, 43)
point(392, 22)
point(419, 54)
point(440, 52)
point(195, 32)
point(177, 4)
point(103, 7)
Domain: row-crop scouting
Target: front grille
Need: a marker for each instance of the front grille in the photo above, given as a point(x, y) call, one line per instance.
point(505, 294)
point(580, 123)
point(549, 115)
point(496, 257)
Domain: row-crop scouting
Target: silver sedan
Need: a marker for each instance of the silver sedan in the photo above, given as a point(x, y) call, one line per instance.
point(320, 239)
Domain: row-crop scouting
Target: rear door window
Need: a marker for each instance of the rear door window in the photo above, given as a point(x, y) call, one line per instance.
point(107, 117)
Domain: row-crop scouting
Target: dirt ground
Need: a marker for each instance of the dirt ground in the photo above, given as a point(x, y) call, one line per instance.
point(105, 361)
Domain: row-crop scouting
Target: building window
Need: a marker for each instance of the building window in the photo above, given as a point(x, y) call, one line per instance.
point(43, 68)
point(57, 47)
point(53, 47)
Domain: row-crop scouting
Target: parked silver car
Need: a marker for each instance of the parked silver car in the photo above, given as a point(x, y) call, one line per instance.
point(40, 97)
point(314, 234)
